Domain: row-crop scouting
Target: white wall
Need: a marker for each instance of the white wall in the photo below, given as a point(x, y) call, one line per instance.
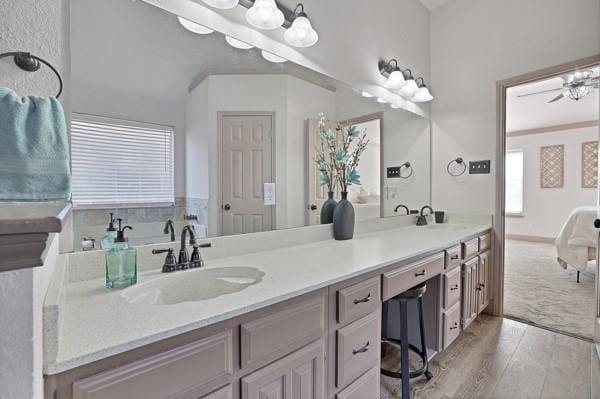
point(545, 210)
point(292, 100)
point(475, 43)
point(40, 27)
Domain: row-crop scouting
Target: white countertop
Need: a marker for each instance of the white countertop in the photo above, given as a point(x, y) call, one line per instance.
point(98, 323)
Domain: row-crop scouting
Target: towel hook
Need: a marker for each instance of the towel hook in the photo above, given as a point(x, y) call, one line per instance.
point(31, 63)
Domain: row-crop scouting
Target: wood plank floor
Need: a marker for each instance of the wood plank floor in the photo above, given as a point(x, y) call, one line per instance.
point(502, 358)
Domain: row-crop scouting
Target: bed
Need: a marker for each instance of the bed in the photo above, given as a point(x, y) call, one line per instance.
point(578, 239)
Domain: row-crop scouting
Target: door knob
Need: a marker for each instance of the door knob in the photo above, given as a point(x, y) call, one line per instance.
point(227, 207)
point(597, 223)
point(313, 207)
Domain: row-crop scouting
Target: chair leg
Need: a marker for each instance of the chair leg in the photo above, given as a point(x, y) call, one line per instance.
point(404, 350)
point(428, 374)
point(578, 276)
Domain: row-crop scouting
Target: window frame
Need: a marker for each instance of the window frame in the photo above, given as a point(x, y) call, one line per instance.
point(84, 117)
point(522, 213)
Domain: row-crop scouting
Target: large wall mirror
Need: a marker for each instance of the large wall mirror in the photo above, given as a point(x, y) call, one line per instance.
point(172, 123)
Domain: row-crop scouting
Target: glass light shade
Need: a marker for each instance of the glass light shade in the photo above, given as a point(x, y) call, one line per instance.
point(577, 93)
point(395, 106)
point(395, 80)
point(264, 14)
point(194, 27)
point(409, 88)
point(301, 33)
point(272, 57)
point(222, 4)
point(238, 43)
point(366, 94)
point(381, 100)
point(421, 95)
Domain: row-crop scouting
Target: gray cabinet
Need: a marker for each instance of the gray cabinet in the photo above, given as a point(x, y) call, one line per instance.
point(300, 375)
point(470, 284)
point(484, 280)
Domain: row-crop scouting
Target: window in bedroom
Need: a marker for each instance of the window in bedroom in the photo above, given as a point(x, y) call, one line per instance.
point(120, 163)
point(514, 183)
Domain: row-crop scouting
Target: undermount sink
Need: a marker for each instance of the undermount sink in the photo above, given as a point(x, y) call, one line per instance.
point(193, 285)
point(453, 227)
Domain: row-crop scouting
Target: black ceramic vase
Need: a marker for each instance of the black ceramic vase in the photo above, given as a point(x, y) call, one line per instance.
point(343, 219)
point(327, 209)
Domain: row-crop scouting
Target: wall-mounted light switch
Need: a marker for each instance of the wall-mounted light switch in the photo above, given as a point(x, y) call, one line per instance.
point(393, 171)
point(269, 193)
point(479, 167)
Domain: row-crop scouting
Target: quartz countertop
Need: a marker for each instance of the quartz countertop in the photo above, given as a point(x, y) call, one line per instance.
point(98, 322)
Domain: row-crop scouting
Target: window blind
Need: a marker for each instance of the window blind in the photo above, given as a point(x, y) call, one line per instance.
point(119, 162)
point(514, 182)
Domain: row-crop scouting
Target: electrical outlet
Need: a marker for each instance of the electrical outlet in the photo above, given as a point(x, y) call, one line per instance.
point(479, 167)
point(393, 171)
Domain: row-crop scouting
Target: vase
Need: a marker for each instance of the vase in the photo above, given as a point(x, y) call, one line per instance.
point(343, 219)
point(327, 209)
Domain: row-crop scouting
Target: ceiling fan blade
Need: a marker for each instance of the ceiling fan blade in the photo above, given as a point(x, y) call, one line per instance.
point(560, 96)
point(539, 92)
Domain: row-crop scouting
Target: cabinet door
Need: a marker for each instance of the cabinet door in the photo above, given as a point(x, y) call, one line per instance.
point(300, 375)
point(483, 277)
point(469, 292)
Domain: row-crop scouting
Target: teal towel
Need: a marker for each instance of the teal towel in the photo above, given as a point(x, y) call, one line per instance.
point(34, 148)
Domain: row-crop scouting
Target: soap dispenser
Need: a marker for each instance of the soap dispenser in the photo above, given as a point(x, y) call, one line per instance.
point(111, 233)
point(121, 261)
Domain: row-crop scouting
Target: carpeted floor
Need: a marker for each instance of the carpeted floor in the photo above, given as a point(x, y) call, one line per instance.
point(538, 290)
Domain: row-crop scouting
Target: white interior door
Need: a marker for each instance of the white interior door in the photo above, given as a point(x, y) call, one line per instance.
point(246, 164)
point(317, 194)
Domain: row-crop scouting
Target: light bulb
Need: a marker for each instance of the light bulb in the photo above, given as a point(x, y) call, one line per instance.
point(272, 57)
point(194, 27)
point(301, 33)
point(381, 100)
point(409, 88)
point(366, 94)
point(264, 14)
point(422, 95)
point(238, 43)
point(395, 80)
point(395, 106)
point(222, 4)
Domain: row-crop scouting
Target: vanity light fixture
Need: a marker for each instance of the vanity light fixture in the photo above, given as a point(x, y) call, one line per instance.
point(222, 4)
point(264, 14)
point(395, 77)
point(410, 88)
point(366, 94)
point(422, 94)
point(238, 43)
point(272, 57)
point(194, 27)
point(301, 33)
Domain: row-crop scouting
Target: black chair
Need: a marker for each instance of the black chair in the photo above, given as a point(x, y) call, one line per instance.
point(413, 294)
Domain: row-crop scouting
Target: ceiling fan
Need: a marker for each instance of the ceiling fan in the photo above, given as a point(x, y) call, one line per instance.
point(575, 86)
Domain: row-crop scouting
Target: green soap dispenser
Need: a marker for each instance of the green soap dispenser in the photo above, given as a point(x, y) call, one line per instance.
point(111, 233)
point(121, 261)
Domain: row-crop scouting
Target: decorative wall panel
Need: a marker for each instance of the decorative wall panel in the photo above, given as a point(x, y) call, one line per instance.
point(589, 164)
point(552, 165)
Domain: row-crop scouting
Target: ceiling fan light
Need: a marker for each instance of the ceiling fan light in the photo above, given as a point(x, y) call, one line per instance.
point(577, 93)
point(301, 33)
point(222, 4)
point(238, 43)
point(272, 57)
point(395, 80)
point(409, 89)
point(194, 27)
point(422, 95)
point(264, 14)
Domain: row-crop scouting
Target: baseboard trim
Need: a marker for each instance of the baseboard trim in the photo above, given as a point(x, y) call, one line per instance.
point(521, 237)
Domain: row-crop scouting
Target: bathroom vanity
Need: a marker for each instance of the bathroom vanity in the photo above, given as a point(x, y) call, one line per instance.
point(304, 321)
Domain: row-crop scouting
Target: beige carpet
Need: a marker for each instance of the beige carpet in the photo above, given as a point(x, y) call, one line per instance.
point(538, 290)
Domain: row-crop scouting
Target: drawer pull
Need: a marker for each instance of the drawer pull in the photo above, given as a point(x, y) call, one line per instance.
point(482, 285)
point(361, 350)
point(454, 327)
point(454, 287)
point(454, 257)
point(422, 273)
point(365, 299)
point(479, 289)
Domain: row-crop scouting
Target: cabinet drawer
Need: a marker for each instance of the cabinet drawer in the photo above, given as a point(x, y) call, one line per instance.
point(485, 242)
point(451, 319)
point(223, 393)
point(357, 348)
point(470, 248)
point(452, 281)
point(282, 332)
point(399, 280)
point(358, 300)
point(452, 257)
point(180, 371)
point(366, 387)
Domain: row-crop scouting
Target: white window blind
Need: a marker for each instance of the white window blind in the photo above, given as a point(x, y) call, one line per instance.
point(514, 182)
point(119, 162)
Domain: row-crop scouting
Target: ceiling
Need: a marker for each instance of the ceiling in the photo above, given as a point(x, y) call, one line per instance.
point(533, 112)
point(433, 4)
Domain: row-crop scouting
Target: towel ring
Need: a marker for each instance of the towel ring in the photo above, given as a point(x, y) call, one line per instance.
point(31, 63)
point(457, 161)
point(408, 166)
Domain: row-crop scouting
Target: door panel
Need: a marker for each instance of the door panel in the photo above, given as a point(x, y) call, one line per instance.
point(246, 166)
point(317, 194)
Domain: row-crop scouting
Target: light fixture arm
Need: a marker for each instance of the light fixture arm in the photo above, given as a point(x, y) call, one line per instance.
point(422, 84)
point(301, 13)
point(409, 76)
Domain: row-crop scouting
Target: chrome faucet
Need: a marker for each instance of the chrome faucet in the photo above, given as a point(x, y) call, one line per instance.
point(183, 260)
point(422, 219)
point(169, 228)
point(402, 206)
